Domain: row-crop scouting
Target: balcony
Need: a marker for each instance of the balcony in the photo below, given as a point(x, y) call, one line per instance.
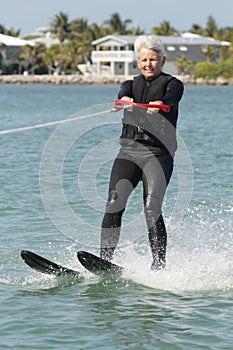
point(113, 56)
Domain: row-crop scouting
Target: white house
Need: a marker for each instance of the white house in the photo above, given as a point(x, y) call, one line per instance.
point(10, 46)
point(114, 54)
point(44, 36)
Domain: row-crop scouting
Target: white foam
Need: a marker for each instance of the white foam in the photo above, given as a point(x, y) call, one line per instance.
point(199, 257)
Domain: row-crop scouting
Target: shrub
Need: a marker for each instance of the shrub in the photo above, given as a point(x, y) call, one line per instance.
point(212, 70)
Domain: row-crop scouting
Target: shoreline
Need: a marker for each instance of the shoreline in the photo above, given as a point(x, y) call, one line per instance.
point(81, 80)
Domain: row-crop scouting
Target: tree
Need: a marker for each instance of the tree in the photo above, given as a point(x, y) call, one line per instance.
point(33, 55)
point(2, 56)
point(50, 58)
point(226, 34)
point(164, 29)
point(81, 36)
point(136, 30)
point(77, 54)
point(78, 29)
point(2, 29)
point(58, 57)
point(60, 26)
point(95, 31)
point(184, 64)
point(116, 25)
point(63, 59)
point(211, 28)
point(11, 31)
point(209, 52)
point(197, 29)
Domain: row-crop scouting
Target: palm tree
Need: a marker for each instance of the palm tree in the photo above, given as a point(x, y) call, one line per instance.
point(80, 37)
point(32, 55)
point(77, 54)
point(226, 34)
point(95, 31)
point(11, 31)
point(116, 25)
point(63, 59)
point(58, 58)
point(77, 28)
point(136, 30)
point(197, 29)
point(2, 29)
point(60, 26)
point(164, 29)
point(209, 52)
point(2, 56)
point(50, 57)
point(184, 64)
point(211, 27)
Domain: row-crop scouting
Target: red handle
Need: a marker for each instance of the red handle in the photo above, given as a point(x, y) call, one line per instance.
point(164, 108)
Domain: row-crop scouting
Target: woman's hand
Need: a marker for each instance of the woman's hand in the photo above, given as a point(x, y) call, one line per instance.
point(126, 98)
point(154, 110)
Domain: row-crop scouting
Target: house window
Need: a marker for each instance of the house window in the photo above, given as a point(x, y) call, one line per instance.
point(171, 48)
point(204, 49)
point(183, 48)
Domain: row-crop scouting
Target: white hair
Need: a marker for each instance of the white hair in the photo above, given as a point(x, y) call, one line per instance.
point(150, 42)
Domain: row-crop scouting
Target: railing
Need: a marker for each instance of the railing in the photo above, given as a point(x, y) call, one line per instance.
point(113, 56)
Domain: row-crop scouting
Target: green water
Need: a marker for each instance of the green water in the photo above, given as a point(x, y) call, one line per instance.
point(54, 183)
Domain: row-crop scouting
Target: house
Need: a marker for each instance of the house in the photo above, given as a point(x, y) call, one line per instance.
point(114, 54)
point(10, 46)
point(43, 35)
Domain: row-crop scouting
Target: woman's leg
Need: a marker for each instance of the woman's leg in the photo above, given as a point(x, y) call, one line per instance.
point(156, 176)
point(157, 234)
point(124, 178)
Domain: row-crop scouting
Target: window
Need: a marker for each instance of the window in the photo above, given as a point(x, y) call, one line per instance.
point(183, 48)
point(171, 48)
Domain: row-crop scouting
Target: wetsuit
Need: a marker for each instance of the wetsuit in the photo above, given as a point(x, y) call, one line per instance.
point(148, 145)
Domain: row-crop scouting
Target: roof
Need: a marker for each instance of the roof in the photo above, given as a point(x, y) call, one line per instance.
point(184, 39)
point(189, 39)
point(13, 41)
point(47, 41)
point(121, 39)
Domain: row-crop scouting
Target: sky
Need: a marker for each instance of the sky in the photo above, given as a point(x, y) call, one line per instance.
point(28, 15)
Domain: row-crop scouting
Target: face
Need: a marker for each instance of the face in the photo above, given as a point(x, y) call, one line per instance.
point(150, 63)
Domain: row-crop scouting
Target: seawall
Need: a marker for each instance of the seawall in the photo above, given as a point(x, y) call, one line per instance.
point(79, 80)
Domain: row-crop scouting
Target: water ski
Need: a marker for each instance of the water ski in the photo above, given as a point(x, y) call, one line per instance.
point(99, 266)
point(43, 265)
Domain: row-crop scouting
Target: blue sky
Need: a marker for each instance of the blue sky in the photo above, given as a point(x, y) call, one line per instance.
point(28, 15)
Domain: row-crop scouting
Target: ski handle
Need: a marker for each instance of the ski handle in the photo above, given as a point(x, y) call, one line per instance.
point(119, 103)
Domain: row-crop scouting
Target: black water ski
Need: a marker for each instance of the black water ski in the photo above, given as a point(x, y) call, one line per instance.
point(43, 265)
point(99, 266)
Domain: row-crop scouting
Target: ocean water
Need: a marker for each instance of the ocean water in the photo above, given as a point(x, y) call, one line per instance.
point(57, 147)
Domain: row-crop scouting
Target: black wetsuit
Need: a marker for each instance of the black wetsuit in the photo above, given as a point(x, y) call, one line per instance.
point(148, 145)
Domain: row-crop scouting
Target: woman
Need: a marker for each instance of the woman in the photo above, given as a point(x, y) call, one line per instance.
point(148, 145)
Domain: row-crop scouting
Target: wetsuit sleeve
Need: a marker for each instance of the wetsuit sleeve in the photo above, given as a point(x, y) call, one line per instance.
point(174, 92)
point(126, 89)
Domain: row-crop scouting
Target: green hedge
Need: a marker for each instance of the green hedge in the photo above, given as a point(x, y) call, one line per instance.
point(210, 70)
